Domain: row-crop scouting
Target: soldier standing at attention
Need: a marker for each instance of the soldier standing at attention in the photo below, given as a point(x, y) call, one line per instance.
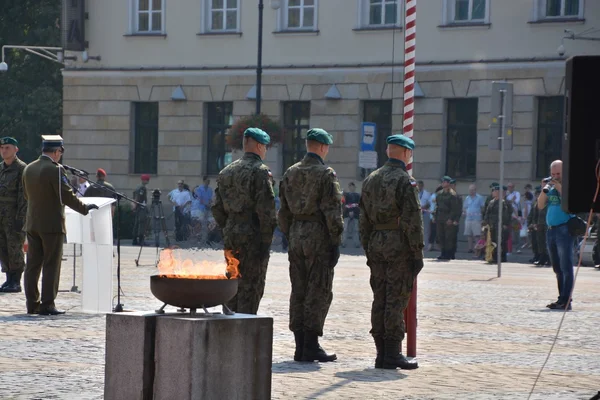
point(141, 213)
point(490, 197)
point(244, 208)
point(391, 233)
point(491, 220)
point(46, 188)
point(460, 209)
point(447, 214)
point(311, 218)
point(12, 215)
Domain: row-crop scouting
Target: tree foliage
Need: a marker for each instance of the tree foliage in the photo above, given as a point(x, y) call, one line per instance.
point(31, 90)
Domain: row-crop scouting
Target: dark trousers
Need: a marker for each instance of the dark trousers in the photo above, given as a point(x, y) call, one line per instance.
point(560, 249)
point(182, 222)
point(44, 254)
point(432, 233)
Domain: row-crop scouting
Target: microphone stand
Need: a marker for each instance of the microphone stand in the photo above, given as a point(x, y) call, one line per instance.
point(118, 196)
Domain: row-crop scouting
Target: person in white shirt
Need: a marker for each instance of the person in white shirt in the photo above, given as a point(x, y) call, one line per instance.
point(472, 210)
point(181, 198)
point(82, 187)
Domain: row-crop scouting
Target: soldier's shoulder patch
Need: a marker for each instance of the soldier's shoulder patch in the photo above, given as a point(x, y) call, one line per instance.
point(413, 183)
point(332, 171)
point(65, 180)
point(270, 173)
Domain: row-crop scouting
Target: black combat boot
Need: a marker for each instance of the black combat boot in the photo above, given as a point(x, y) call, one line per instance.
point(394, 359)
point(299, 337)
point(379, 344)
point(312, 351)
point(7, 283)
point(15, 283)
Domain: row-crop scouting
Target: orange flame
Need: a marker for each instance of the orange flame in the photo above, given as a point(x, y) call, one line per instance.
point(170, 266)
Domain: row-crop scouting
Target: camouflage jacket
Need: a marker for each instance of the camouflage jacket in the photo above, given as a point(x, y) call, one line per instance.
point(390, 196)
point(141, 194)
point(12, 200)
point(448, 206)
point(308, 188)
point(491, 213)
point(244, 195)
point(532, 218)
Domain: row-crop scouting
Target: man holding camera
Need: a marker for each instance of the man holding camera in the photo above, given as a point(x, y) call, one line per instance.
point(558, 238)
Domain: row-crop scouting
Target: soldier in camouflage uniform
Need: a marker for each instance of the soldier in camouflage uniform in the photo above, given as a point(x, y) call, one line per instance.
point(244, 208)
point(391, 233)
point(447, 216)
point(311, 218)
point(141, 213)
point(490, 197)
point(13, 208)
point(491, 221)
point(540, 233)
point(459, 205)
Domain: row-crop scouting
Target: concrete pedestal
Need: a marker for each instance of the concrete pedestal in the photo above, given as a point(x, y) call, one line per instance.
point(213, 357)
point(179, 356)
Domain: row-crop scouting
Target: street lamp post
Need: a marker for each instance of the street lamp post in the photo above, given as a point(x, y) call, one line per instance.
point(259, 62)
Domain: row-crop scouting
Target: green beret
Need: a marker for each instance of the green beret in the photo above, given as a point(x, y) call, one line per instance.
point(51, 141)
point(497, 187)
point(401, 140)
point(319, 135)
point(538, 189)
point(9, 140)
point(446, 178)
point(258, 134)
point(494, 184)
point(452, 181)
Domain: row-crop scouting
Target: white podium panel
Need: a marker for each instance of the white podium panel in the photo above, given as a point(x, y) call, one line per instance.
point(94, 233)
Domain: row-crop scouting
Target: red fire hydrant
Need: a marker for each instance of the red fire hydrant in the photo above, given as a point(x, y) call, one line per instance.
point(410, 319)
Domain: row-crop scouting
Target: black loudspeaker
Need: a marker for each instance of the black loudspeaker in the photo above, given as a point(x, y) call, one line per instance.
point(581, 141)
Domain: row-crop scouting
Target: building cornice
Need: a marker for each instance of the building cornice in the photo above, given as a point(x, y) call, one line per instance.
point(301, 68)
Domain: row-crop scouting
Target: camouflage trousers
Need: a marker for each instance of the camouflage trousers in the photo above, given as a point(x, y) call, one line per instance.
point(311, 275)
point(447, 235)
point(12, 257)
point(253, 271)
point(141, 221)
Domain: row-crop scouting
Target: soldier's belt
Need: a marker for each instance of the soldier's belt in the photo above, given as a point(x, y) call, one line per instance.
point(391, 226)
point(301, 217)
point(8, 199)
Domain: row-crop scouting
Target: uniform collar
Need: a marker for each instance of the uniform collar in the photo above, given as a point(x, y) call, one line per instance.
point(315, 156)
point(394, 162)
point(251, 155)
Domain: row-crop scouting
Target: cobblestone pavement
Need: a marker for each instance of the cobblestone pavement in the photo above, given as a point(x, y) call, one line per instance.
point(480, 337)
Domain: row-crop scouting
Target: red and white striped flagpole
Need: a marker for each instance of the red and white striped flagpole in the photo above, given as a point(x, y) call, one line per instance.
point(410, 21)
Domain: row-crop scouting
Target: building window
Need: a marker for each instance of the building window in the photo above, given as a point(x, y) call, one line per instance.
point(549, 9)
point(461, 145)
point(149, 16)
point(550, 126)
point(379, 13)
point(219, 120)
point(467, 11)
point(300, 14)
point(145, 138)
point(223, 15)
point(296, 121)
point(378, 112)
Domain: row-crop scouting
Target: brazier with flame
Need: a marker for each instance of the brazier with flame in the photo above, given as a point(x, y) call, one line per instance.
point(183, 283)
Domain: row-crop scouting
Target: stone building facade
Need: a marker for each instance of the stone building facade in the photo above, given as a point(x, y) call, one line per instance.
point(130, 114)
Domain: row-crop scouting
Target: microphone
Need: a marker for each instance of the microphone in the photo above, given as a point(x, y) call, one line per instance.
point(76, 171)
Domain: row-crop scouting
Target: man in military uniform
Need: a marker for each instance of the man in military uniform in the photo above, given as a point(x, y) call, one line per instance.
point(391, 233)
point(540, 233)
point(447, 216)
point(244, 208)
point(491, 221)
point(101, 188)
point(141, 213)
point(491, 196)
point(46, 188)
point(12, 215)
point(311, 218)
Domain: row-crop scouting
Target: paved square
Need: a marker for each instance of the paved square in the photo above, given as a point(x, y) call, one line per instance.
point(479, 337)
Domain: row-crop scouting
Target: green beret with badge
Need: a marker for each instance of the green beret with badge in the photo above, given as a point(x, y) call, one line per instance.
point(9, 140)
point(446, 178)
point(402, 141)
point(452, 181)
point(259, 135)
point(494, 184)
point(319, 135)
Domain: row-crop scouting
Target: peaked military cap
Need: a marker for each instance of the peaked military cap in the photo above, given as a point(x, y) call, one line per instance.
point(319, 135)
point(9, 140)
point(50, 141)
point(401, 140)
point(257, 134)
point(446, 178)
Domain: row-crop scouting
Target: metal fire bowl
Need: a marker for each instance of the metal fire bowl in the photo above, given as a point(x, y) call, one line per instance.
point(193, 293)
